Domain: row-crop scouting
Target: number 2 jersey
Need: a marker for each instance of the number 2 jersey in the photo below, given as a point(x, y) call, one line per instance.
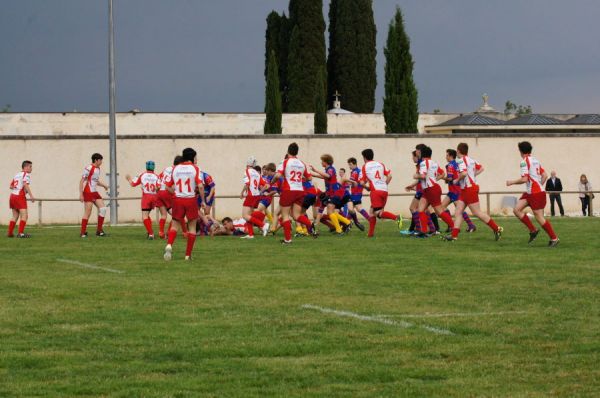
point(185, 178)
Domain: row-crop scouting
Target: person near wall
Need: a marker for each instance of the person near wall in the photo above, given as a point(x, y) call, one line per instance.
point(554, 185)
point(584, 194)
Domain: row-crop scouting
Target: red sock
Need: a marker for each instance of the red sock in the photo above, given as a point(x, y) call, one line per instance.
point(84, 222)
point(148, 225)
point(257, 222)
point(259, 215)
point(493, 225)
point(161, 225)
point(525, 220)
point(287, 230)
point(388, 215)
point(100, 223)
point(549, 230)
point(172, 236)
point(250, 228)
point(304, 221)
point(423, 221)
point(455, 232)
point(447, 219)
point(22, 226)
point(372, 222)
point(11, 228)
point(327, 222)
point(191, 239)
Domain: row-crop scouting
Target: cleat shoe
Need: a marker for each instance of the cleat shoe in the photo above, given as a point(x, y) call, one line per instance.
point(533, 235)
point(188, 258)
point(360, 226)
point(100, 234)
point(399, 222)
point(84, 235)
point(553, 243)
point(168, 253)
point(406, 232)
point(286, 242)
point(265, 229)
point(449, 238)
point(421, 235)
point(161, 236)
point(23, 236)
point(471, 229)
point(498, 233)
point(346, 228)
point(150, 237)
point(247, 237)
point(448, 230)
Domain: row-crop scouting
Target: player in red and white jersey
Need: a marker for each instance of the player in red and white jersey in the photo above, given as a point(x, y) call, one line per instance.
point(88, 194)
point(293, 171)
point(228, 227)
point(185, 181)
point(150, 183)
point(19, 188)
point(376, 177)
point(164, 198)
point(252, 193)
point(428, 175)
point(534, 176)
point(468, 170)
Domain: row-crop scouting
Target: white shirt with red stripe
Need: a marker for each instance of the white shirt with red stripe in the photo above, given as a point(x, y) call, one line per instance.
point(239, 225)
point(17, 185)
point(470, 166)
point(185, 178)
point(92, 174)
point(254, 181)
point(533, 170)
point(164, 177)
point(431, 170)
point(375, 173)
point(293, 171)
point(149, 182)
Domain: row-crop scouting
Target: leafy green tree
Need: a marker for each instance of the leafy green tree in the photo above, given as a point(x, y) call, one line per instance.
point(272, 98)
point(352, 52)
point(510, 108)
point(320, 103)
point(400, 104)
point(272, 35)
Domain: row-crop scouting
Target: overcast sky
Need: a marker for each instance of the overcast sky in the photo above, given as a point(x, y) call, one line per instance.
point(208, 55)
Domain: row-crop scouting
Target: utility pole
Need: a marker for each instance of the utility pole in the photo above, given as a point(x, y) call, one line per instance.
point(114, 216)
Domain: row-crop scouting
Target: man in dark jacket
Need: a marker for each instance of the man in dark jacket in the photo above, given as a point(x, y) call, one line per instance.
point(554, 185)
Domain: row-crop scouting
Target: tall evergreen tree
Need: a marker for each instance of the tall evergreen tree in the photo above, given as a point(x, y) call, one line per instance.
point(272, 98)
point(400, 104)
point(352, 54)
point(320, 101)
point(272, 35)
point(306, 53)
point(282, 59)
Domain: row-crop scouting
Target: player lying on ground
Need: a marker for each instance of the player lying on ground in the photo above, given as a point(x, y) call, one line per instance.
point(19, 188)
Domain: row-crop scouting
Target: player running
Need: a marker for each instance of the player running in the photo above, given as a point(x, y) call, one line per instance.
point(88, 194)
point(185, 180)
point(454, 189)
point(252, 195)
point(534, 176)
point(356, 193)
point(149, 182)
point(469, 169)
point(19, 188)
point(376, 178)
point(335, 192)
point(164, 198)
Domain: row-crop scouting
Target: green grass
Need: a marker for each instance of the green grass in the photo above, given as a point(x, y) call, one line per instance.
point(231, 323)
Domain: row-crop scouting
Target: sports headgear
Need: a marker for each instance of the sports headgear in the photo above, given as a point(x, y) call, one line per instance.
point(150, 165)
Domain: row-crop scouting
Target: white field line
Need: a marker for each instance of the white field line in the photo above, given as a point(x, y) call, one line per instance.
point(378, 319)
point(89, 266)
point(456, 314)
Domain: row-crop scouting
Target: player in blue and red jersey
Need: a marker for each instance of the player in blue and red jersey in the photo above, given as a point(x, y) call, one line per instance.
point(268, 171)
point(356, 193)
point(334, 191)
point(346, 185)
point(454, 188)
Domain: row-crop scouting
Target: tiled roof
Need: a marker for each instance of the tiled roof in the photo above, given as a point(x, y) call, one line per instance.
point(472, 120)
point(584, 119)
point(533, 120)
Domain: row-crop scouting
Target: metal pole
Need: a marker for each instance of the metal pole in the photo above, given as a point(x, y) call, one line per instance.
point(114, 217)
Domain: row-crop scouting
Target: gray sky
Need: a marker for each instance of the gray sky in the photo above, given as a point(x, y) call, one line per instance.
point(208, 55)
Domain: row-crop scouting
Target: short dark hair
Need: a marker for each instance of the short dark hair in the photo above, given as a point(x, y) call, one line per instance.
point(226, 219)
point(368, 154)
point(25, 163)
point(258, 168)
point(420, 147)
point(96, 156)
point(451, 152)
point(342, 169)
point(525, 147)
point(352, 160)
point(293, 149)
point(426, 152)
point(463, 148)
point(188, 154)
point(414, 153)
point(178, 159)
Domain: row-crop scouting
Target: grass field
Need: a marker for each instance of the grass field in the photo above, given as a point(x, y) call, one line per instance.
point(336, 316)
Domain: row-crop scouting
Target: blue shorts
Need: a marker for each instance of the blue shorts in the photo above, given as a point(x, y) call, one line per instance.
point(418, 195)
point(340, 201)
point(453, 196)
point(356, 199)
point(309, 200)
point(266, 201)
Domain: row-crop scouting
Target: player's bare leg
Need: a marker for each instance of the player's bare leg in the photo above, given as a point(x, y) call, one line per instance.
point(172, 234)
point(99, 203)
point(477, 212)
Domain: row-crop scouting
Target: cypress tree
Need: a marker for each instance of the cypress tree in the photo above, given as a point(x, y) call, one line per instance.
point(272, 98)
point(306, 53)
point(272, 35)
point(400, 106)
point(282, 59)
point(320, 103)
point(352, 54)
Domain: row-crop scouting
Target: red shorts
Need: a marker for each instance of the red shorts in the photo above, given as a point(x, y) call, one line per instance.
point(469, 195)
point(252, 201)
point(17, 202)
point(378, 199)
point(149, 201)
point(164, 199)
point(433, 195)
point(537, 200)
point(184, 208)
point(91, 196)
point(288, 198)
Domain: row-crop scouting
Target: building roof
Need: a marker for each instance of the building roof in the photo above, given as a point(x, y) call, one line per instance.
point(584, 119)
point(473, 119)
point(538, 120)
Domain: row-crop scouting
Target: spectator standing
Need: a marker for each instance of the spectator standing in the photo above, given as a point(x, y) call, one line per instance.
point(584, 194)
point(554, 185)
